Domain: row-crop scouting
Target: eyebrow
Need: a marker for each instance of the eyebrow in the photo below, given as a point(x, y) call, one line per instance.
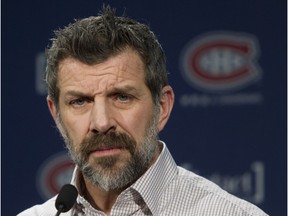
point(75, 93)
point(126, 88)
point(78, 94)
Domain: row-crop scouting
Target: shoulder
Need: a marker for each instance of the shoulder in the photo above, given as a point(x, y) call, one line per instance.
point(45, 209)
point(208, 198)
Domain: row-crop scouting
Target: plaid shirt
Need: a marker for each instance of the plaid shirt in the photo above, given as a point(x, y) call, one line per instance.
point(164, 190)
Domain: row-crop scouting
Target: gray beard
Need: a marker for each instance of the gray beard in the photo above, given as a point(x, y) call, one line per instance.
point(102, 172)
point(110, 178)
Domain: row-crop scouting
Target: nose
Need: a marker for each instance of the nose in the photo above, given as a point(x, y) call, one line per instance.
point(101, 118)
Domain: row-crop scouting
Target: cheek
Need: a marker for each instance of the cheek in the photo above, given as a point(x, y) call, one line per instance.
point(76, 127)
point(137, 122)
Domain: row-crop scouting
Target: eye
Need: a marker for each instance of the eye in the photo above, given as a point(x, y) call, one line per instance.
point(77, 102)
point(123, 97)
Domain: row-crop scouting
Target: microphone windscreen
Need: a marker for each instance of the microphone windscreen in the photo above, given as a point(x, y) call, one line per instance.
point(66, 198)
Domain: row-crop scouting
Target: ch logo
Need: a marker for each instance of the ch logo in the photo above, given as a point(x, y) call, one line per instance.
point(220, 62)
point(54, 172)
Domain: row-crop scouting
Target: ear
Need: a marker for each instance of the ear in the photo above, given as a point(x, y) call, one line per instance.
point(166, 105)
point(52, 108)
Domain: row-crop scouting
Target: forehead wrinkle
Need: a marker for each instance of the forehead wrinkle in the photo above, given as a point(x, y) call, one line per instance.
point(118, 79)
point(109, 73)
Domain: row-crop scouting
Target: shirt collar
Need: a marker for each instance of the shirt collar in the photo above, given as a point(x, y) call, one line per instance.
point(152, 184)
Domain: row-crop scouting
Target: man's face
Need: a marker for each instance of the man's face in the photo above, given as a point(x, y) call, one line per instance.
point(108, 119)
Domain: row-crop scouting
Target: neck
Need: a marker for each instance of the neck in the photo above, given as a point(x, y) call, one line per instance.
point(99, 198)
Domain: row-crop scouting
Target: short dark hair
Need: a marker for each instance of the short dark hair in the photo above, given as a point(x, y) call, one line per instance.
point(94, 39)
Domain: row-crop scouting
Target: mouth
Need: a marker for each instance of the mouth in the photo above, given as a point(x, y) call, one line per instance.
point(102, 152)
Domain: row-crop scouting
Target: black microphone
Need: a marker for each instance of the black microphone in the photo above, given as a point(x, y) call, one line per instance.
point(66, 198)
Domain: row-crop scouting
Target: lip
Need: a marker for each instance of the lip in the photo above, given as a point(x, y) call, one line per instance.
point(105, 152)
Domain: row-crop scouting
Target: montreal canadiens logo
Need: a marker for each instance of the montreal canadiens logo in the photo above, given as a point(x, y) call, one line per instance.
point(221, 61)
point(56, 171)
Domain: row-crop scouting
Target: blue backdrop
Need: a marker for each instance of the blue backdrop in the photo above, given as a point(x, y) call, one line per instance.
point(227, 64)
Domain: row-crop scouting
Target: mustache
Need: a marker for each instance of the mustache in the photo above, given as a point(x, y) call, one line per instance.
point(105, 141)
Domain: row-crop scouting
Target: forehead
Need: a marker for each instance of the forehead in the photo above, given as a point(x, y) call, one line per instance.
point(125, 67)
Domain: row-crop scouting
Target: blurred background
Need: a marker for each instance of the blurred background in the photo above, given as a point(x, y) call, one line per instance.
point(227, 65)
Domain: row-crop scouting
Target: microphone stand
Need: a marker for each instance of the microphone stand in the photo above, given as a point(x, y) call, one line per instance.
point(60, 210)
point(58, 213)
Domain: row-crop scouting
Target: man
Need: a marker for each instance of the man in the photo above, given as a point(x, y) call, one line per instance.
point(109, 95)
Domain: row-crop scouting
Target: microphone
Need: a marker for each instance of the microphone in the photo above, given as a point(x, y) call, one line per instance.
point(66, 198)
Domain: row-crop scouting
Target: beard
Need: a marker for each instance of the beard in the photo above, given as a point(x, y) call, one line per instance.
point(110, 172)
